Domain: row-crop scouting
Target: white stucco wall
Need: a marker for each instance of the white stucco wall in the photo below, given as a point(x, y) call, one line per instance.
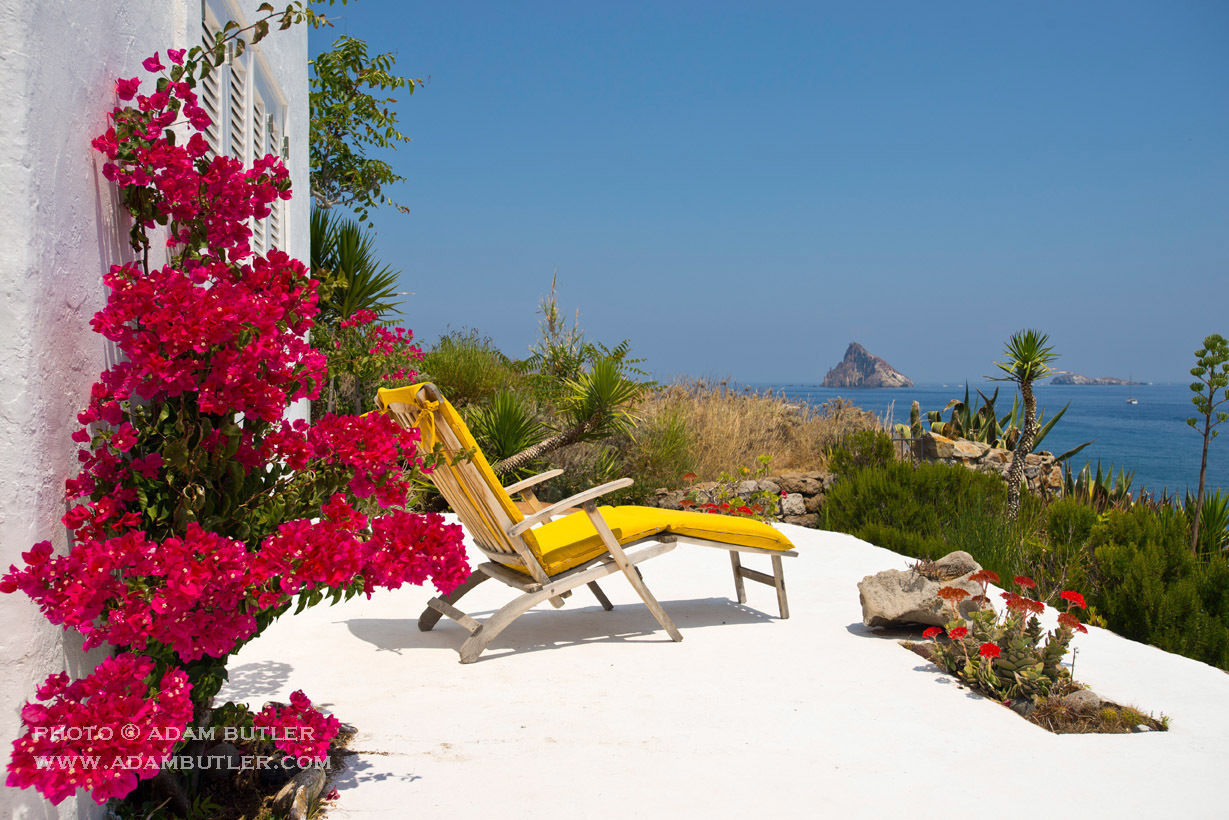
point(60, 232)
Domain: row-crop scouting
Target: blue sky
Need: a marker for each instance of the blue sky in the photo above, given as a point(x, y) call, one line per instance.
point(743, 189)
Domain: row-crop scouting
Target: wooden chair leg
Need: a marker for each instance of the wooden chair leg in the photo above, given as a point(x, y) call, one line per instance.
point(778, 574)
point(601, 596)
point(739, 587)
point(436, 607)
point(631, 571)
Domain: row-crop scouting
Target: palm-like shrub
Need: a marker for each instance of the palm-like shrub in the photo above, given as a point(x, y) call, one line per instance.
point(1028, 359)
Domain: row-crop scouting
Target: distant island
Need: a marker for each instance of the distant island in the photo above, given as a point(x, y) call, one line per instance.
point(860, 369)
point(1076, 378)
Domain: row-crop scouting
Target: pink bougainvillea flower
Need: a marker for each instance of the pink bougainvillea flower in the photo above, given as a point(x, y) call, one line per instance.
point(126, 89)
point(153, 63)
point(989, 650)
point(1074, 598)
point(958, 633)
point(1025, 582)
point(932, 632)
point(175, 55)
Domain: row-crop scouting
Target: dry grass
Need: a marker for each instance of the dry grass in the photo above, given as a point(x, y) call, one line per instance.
point(728, 427)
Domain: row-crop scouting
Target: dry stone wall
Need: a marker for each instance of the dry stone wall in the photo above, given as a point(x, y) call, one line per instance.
point(799, 495)
point(1042, 472)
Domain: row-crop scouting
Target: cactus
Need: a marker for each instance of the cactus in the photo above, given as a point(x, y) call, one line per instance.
point(915, 420)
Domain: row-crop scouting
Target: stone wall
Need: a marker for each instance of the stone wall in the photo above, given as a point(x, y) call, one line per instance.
point(799, 495)
point(1042, 471)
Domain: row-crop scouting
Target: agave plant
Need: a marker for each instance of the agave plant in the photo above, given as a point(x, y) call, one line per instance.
point(1101, 490)
point(986, 426)
point(1214, 521)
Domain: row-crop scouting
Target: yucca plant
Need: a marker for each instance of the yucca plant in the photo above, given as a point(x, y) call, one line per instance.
point(506, 425)
point(595, 404)
point(352, 279)
point(1028, 359)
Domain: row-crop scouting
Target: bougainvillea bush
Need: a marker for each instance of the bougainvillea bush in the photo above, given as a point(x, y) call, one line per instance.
point(200, 515)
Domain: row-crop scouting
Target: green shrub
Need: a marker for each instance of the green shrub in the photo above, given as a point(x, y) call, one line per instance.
point(468, 368)
point(924, 511)
point(1150, 588)
point(859, 450)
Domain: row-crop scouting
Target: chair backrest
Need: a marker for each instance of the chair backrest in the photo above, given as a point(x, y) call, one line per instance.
point(467, 483)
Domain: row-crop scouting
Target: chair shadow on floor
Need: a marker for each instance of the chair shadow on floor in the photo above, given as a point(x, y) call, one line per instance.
point(545, 628)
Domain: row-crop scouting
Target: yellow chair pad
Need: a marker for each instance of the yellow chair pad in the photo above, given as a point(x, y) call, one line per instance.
point(571, 541)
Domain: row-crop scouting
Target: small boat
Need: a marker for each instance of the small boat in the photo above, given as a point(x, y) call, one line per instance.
point(1132, 400)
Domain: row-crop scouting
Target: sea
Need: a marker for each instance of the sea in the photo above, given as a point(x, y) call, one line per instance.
point(1150, 438)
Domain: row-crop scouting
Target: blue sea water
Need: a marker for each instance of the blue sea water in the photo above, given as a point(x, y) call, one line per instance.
point(1150, 438)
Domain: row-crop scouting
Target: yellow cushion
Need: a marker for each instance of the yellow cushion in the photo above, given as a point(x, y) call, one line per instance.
point(571, 541)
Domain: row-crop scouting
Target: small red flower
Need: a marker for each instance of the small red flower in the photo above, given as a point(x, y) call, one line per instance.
point(1025, 582)
point(689, 477)
point(687, 502)
point(932, 632)
point(984, 576)
point(1074, 598)
point(989, 650)
point(1071, 622)
point(958, 633)
point(953, 595)
point(1035, 607)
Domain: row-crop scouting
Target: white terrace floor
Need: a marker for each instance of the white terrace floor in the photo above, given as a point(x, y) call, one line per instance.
point(580, 712)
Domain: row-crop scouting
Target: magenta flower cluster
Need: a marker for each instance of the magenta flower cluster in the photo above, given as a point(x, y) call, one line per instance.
point(217, 335)
point(103, 733)
point(299, 729)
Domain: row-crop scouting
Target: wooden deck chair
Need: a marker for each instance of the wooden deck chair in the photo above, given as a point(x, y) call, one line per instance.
point(546, 559)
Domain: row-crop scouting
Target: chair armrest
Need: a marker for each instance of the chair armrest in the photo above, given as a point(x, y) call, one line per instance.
point(533, 480)
point(572, 501)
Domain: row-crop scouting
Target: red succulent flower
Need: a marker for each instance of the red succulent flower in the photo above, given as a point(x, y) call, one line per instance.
point(958, 633)
point(1025, 582)
point(989, 650)
point(932, 632)
point(1074, 598)
point(1071, 622)
point(984, 576)
point(953, 595)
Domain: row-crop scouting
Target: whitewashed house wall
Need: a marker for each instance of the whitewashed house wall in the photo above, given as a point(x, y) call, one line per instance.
point(60, 231)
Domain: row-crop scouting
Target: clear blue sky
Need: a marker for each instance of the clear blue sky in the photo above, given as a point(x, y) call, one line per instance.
point(744, 190)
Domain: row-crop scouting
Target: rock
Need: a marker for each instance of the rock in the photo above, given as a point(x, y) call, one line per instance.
point(896, 597)
point(221, 762)
point(801, 520)
point(767, 485)
point(1022, 706)
point(296, 798)
point(793, 504)
point(744, 489)
point(814, 502)
point(798, 483)
point(935, 446)
point(956, 564)
point(860, 369)
point(1076, 378)
point(1084, 701)
point(969, 450)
